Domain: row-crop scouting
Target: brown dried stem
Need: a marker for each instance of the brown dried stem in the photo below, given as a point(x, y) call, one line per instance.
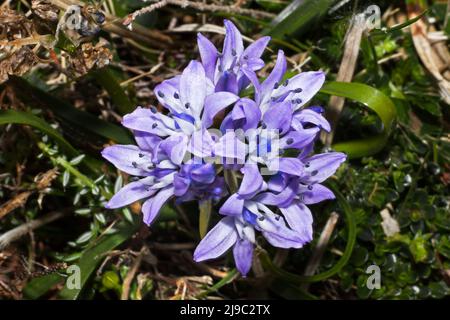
point(346, 71)
point(322, 243)
point(200, 6)
point(130, 275)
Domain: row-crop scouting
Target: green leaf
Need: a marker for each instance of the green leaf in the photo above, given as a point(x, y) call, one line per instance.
point(374, 100)
point(225, 280)
point(20, 117)
point(105, 77)
point(37, 287)
point(68, 114)
point(77, 160)
point(351, 239)
point(205, 214)
point(92, 256)
point(297, 17)
point(400, 26)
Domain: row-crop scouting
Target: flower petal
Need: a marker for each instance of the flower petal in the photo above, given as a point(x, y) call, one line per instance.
point(208, 54)
point(229, 146)
point(131, 192)
point(218, 240)
point(181, 184)
point(251, 75)
point(317, 194)
point(299, 139)
point(310, 116)
point(151, 207)
point(201, 144)
point(193, 88)
point(243, 256)
point(284, 239)
point(245, 114)
point(175, 147)
point(146, 141)
point(233, 206)
point(272, 80)
point(276, 232)
point(291, 166)
point(128, 159)
point(203, 173)
point(320, 167)
point(227, 82)
point(281, 199)
point(278, 116)
point(215, 103)
point(233, 45)
point(149, 120)
point(255, 50)
point(299, 218)
point(303, 86)
point(278, 182)
point(168, 94)
point(252, 181)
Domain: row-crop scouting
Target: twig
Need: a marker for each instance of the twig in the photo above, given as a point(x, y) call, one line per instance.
point(428, 54)
point(16, 233)
point(200, 6)
point(43, 180)
point(130, 275)
point(204, 267)
point(322, 243)
point(172, 246)
point(139, 76)
point(345, 74)
point(114, 25)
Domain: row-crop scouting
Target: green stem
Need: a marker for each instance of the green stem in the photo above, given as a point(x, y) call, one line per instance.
point(231, 180)
point(60, 161)
point(225, 280)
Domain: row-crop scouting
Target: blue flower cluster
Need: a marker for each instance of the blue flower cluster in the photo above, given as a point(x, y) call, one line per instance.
point(209, 130)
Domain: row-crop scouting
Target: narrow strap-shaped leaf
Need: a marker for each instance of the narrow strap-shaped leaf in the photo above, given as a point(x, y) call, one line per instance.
point(92, 257)
point(20, 117)
point(225, 280)
point(297, 17)
point(400, 26)
point(65, 112)
point(374, 100)
point(205, 208)
point(105, 77)
point(37, 287)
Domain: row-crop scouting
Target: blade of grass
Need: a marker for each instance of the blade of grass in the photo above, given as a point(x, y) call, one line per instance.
point(37, 287)
point(67, 113)
point(105, 77)
point(400, 26)
point(93, 255)
point(297, 17)
point(20, 117)
point(225, 280)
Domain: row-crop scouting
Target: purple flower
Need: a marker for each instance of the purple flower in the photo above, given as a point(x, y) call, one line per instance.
point(248, 210)
point(156, 184)
point(178, 155)
point(298, 90)
point(159, 181)
point(230, 70)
